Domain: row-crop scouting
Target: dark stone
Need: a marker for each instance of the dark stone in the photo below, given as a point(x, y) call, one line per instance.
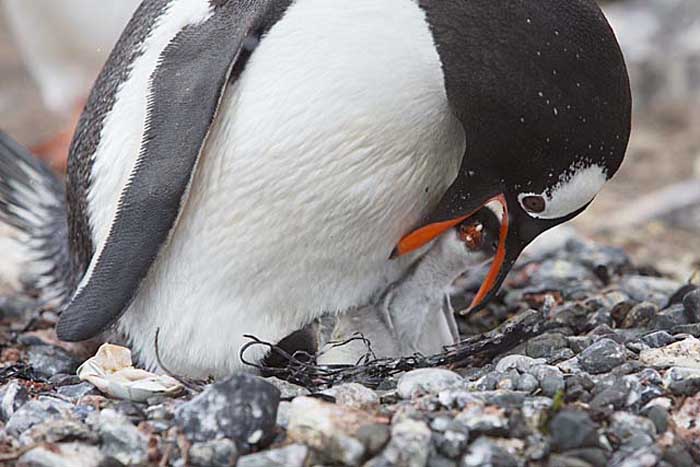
point(78, 391)
point(545, 345)
point(48, 361)
point(373, 437)
point(215, 453)
point(594, 456)
point(658, 339)
point(683, 381)
point(602, 356)
point(691, 304)
point(671, 317)
point(641, 315)
point(609, 399)
point(242, 408)
point(572, 429)
point(678, 456)
point(659, 417)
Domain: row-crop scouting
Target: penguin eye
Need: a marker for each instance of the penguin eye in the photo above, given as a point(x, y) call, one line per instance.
point(534, 204)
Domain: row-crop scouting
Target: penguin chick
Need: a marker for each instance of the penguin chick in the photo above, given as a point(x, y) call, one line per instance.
point(414, 314)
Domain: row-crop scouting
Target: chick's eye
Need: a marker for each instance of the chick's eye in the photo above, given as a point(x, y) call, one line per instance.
point(534, 204)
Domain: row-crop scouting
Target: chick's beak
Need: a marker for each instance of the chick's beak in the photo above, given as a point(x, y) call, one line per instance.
point(507, 251)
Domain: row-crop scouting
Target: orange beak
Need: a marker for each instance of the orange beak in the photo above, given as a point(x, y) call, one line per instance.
point(425, 235)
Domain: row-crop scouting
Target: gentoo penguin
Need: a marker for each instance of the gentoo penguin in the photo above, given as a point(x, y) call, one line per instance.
point(64, 45)
point(415, 315)
point(244, 167)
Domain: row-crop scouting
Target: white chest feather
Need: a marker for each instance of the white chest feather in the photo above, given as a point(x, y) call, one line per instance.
point(334, 142)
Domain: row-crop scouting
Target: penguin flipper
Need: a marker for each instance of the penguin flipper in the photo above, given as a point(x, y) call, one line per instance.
point(186, 89)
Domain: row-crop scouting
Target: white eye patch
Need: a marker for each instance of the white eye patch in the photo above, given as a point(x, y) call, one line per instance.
point(574, 190)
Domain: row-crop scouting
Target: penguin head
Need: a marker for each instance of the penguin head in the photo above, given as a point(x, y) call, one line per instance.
point(542, 91)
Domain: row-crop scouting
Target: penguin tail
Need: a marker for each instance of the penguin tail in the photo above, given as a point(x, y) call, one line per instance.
point(32, 204)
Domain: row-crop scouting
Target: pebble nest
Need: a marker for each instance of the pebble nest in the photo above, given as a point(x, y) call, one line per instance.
point(611, 377)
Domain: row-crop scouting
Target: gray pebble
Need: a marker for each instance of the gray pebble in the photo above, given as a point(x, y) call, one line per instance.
point(374, 437)
point(658, 416)
point(63, 455)
point(483, 452)
point(682, 381)
point(658, 339)
point(409, 446)
point(215, 453)
point(641, 315)
point(671, 318)
point(528, 383)
point(48, 361)
point(602, 356)
point(572, 429)
point(545, 345)
point(36, 411)
point(427, 381)
point(78, 391)
point(294, 455)
point(242, 408)
point(691, 304)
point(12, 396)
point(121, 439)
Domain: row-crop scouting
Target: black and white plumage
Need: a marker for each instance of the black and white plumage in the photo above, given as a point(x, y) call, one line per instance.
point(243, 167)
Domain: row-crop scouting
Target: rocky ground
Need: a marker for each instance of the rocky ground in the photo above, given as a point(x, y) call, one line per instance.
point(612, 377)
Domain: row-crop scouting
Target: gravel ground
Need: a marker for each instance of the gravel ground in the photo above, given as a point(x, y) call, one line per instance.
point(612, 378)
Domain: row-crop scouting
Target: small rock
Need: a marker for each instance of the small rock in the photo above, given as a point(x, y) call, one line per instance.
point(427, 381)
point(374, 437)
point(572, 429)
point(121, 439)
point(651, 289)
point(484, 452)
point(658, 416)
point(685, 353)
point(686, 422)
point(63, 455)
point(560, 460)
point(682, 381)
point(594, 456)
point(354, 395)
point(288, 391)
point(624, 426)
point(691, 304)
point(658, 339)
point(58, 430)
point(283, 414)
point(528, 383)
point(671, 318)
point(545, 345)
point(409, 446)
point(550, 379)
point(483, 420)
point(12, 396)
point(78, 391)
point(452, 441)
point(36, 411)
point(520, 363)
point(47, 361)
point(641, 315)
point(678, 456)
point(602, 356)
point(329, 429)
point(294, 455)
point(242, 408)
point(215, 453)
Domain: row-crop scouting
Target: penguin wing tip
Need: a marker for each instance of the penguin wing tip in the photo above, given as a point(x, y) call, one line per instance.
point(72, 328)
